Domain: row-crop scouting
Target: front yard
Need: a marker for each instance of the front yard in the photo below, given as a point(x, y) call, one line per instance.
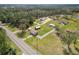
point(48, 45)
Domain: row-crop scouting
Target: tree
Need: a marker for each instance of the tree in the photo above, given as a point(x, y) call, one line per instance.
point(5, 48)
point(68, 38)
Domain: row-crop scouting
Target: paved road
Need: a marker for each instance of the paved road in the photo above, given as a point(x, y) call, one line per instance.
point(26, 49)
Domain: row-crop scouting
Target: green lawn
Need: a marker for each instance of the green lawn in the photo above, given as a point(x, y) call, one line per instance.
point(24, 35)
point(44, 29)
point(48, 45)
point(72, 26)
point(37, 21)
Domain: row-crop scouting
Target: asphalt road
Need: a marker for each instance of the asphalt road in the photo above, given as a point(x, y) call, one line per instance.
point(25, 48)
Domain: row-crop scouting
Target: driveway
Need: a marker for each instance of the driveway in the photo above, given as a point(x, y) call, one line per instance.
point(25, 48)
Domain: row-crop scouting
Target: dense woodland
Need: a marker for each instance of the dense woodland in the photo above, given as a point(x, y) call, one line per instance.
point(68, 38)
point(5, 47)
point(19, 17)
point(24, 18)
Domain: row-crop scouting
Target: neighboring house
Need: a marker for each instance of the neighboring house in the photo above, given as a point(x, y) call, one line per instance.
point(42, 19)
point(33, 32)
point(61, 15)
point(54, 27)
point(64, 23)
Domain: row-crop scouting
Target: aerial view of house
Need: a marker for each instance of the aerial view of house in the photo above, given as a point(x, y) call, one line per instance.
point(39, 29)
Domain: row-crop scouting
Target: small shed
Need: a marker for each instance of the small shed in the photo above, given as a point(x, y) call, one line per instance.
point(37, 27)
point(51, 25)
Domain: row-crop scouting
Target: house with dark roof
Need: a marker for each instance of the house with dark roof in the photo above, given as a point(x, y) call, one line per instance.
point(63, 23)
point(33, 32)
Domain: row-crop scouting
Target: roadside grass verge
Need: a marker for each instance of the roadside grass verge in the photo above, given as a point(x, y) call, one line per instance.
point(10, 27)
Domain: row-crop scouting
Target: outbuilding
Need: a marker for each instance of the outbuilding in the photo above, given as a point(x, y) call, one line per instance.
point(64, 23)
point(51, 25)
point(37, 27)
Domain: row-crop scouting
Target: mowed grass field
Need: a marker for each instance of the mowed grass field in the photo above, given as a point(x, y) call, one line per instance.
point(48, 45)
point(44, 29)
